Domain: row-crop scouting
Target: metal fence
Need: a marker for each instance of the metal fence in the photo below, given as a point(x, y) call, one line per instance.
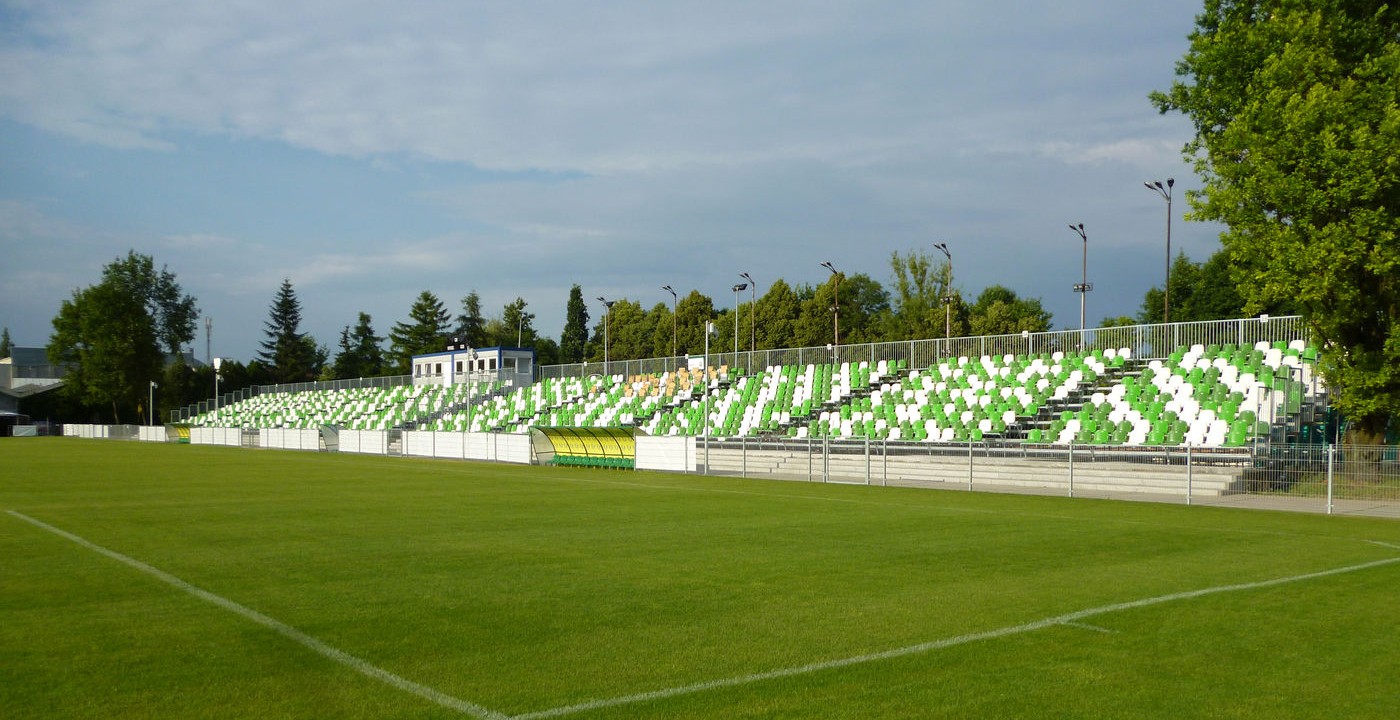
point(1312, 478)
point(1145, 341)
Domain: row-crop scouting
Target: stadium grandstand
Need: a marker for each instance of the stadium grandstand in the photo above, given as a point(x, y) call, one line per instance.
point(1211, 385)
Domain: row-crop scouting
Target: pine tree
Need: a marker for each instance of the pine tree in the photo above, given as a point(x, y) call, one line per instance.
point(289, 355)
point(575, 335)
point(471, 327)
point(361, 354)
point(426, 331)
point(5, 343)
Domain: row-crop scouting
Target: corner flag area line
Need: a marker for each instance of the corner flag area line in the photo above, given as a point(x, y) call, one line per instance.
point(361, 666)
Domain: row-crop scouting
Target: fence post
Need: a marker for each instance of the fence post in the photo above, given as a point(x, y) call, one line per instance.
point(1330, 454)
point(867, 459)
point(969, 464)
point(1189, 474)
point(885, 463)
point(1071, 468)
point(744, 455)
point(809, 456)
point(826, 458)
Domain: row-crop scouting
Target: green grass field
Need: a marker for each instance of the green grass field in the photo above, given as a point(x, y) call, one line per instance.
point(143, 580)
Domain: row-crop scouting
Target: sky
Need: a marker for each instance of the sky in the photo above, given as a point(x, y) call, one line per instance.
point(369, 151)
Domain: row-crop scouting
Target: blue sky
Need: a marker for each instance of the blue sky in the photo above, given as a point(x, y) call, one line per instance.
point(369, 151)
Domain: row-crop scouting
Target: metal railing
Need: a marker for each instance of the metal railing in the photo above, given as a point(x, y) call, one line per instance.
point(1145, 341)
point(1311, 478)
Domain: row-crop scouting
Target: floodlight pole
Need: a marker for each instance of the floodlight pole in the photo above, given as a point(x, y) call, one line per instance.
point(668, 289)
point(607, 326)
point(753, 306)
point(218, 363)
point(1083, 286)
point(151, 406)
point(948, 296)
point(835, 310)
point(736, 289)
point(1166, 193)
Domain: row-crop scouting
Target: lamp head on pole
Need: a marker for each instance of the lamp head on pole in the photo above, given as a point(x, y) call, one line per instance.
point(668, 289)
point(1079, 230)
point(830, 267)
point(745, 276)
point(944, 248)
point(740, 286)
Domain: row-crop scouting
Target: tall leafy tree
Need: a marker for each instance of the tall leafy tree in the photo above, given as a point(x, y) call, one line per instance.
point(471, 325)
point(172, 311)
point(999, 311)
point(105, 332)
point(920, 284)
point(425, 332)
point(5, 343)
point(289, 355)
point(361, 354)
point(776, 314)
point(575, 335)
point(692, 312)
point(1296, 110)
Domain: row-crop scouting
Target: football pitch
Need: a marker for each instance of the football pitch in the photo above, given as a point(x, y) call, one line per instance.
point(143, 580)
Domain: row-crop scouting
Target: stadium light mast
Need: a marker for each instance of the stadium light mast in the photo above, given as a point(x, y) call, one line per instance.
point(948, 296)
point(1166, 193)
point(835, 309)
point(218, 363)
point(736, 289)
point(607, 326)
point(753, 323)
point(151, 405)
point(1084, 286)
point(674, 326)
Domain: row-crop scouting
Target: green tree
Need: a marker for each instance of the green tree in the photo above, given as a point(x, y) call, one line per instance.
point(425, 332)
point(777, 315)
point(864, 311)
point(1296, 110)
point(998, 311)
point(361, 354)
point(289, 355)
point(517, 325)
point(471, 326)
point(5, 343)
point(575, 335)
point(173, 313)
point(917, 299)
point(692, 312)
point(105, 332)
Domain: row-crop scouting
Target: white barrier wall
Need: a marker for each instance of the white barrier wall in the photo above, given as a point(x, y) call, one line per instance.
point(231, 437)
point(152, 433)
point(495, 447)
point(498, 447)
point(672, 454)
point(290, 439)
point(369, 442)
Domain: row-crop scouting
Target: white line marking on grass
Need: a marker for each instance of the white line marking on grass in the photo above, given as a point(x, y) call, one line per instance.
point(1087, 626)
point(1066, 619)
point(280, 627)
point(1384, 544)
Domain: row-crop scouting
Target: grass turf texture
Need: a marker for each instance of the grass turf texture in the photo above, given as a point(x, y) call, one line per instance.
point(525, 589)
